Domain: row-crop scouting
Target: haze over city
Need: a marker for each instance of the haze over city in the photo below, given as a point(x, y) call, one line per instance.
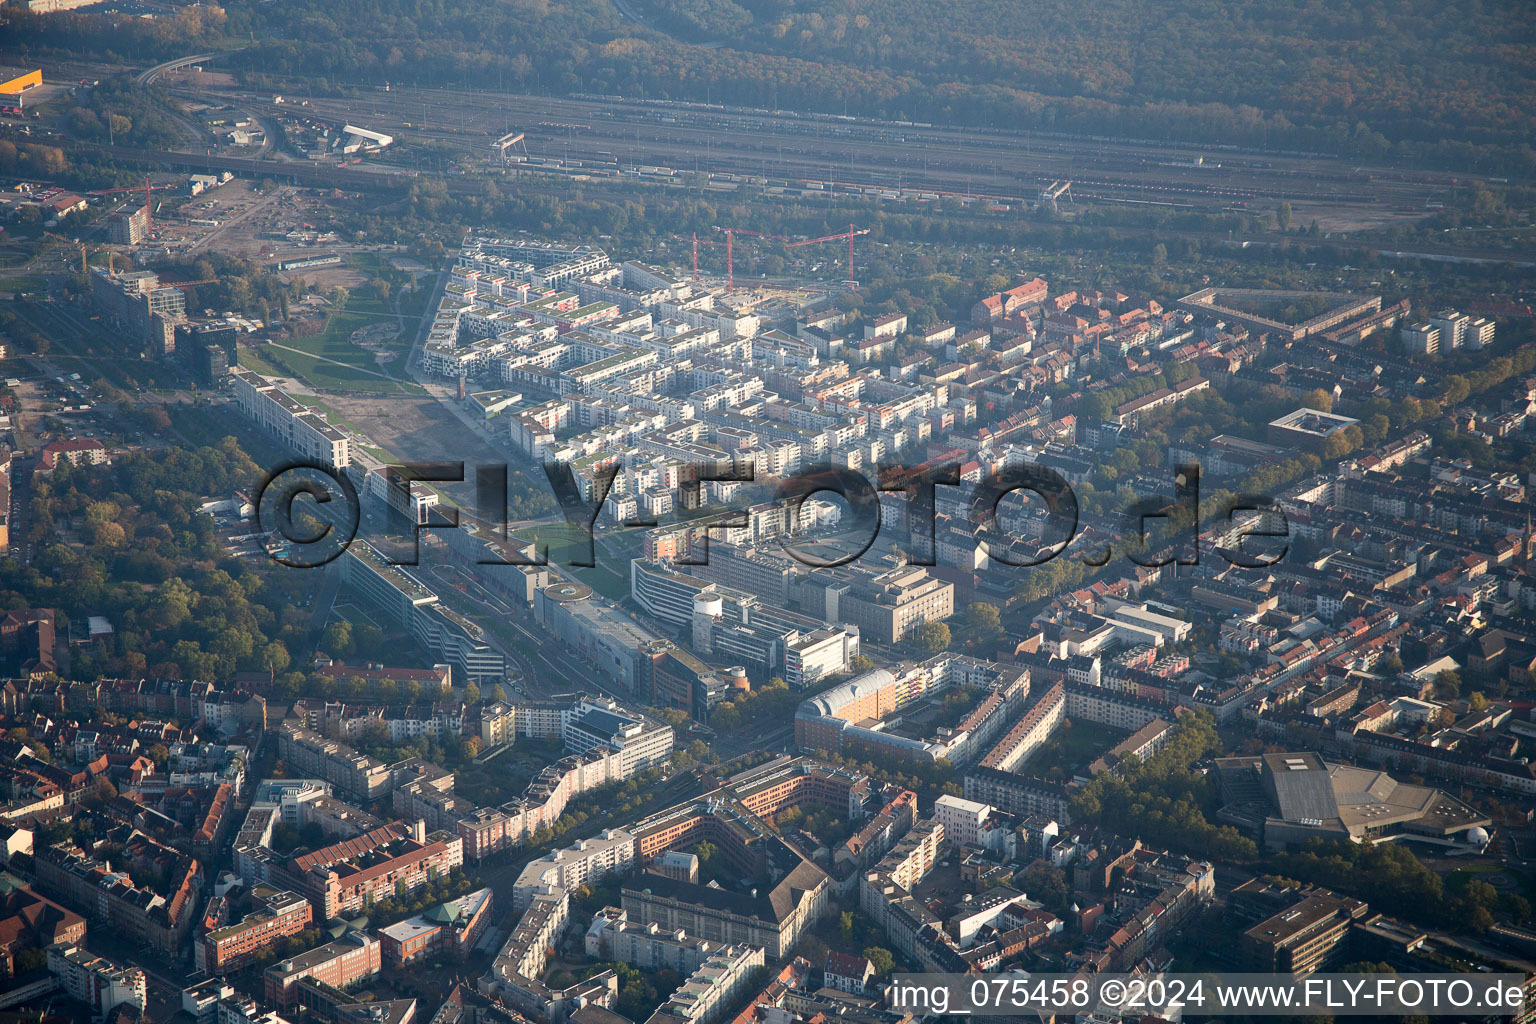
point(766, 511)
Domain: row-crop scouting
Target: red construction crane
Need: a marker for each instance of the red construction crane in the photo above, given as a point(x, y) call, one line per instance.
point(730, 234)
point(849, 234)
point(730, 249)
point(149, 209)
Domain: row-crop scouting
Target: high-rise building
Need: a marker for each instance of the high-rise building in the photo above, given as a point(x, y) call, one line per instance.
point(138, 302)
point(207, 349)
point(1453, 327)
point(129, 227)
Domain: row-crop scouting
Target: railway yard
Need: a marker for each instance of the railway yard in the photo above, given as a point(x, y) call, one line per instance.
point(893, 161)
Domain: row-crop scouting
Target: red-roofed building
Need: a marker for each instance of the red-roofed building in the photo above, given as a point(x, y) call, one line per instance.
point(29, 921)
point(847, 972)
point(84, 451)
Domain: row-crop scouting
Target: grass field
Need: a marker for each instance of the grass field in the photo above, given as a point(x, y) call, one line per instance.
point(331, 360)
point(1074, 746)
point(22, 283)
point(331, 415)
point(250, 359)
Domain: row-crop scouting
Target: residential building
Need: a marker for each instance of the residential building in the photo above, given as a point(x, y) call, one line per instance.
point(277, 914)
point(452, 928)
point(99, 983)
point(338, 965)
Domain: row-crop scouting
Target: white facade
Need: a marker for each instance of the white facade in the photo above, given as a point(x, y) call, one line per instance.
point(962, 819)
point(304, 431)
point(96, 981)
point(574, 866)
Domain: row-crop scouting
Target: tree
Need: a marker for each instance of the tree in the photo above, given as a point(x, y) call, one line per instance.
point(471, 694)
point(1481, 894)
point(880, 958)
point(932, 637)
point(845, 927)
point(1319, 399)
point(29, 960)
point(275, 657)
point(860, 663)
point(498, 694)
point(337, 640)
point(1448, 685)
point(983, 620)
point(1047, 883)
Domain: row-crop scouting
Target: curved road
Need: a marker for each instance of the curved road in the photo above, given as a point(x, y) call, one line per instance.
point(145, 77)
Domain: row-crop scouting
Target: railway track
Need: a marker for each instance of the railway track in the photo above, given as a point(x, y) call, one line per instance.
point(941, 160)
point(388, 183)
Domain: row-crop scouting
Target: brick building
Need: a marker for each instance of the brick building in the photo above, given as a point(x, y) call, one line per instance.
point(277, 915)
point(339, 965)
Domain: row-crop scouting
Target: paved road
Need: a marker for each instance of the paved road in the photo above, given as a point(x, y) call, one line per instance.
point(146, 77)
point(325, 596)
point(245, 214)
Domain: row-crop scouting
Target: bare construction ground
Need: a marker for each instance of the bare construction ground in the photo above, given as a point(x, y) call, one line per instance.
point(419, 428)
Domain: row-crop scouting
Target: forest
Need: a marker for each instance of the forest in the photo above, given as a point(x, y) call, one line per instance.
point(125, 541)
point(1438, 83)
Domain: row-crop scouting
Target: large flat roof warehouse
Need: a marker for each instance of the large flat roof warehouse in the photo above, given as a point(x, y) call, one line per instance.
point(376, 138)
point(14, 81)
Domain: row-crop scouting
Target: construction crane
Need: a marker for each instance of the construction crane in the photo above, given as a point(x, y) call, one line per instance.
point(730, 234)
point(149, 210)
point(849, 234)
point(84, 249)
point(730, 238)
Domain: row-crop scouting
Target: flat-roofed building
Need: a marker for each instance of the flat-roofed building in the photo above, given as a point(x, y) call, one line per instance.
point(340, 965)
point(1307, 937)
point(99, 983)
point(277, 914)
point(1308, 428)
point(707, 993)
point(886, 606)
point(302, 429)
point(587, 860)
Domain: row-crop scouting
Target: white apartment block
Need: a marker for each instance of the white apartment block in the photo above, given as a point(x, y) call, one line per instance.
point(962, 819)
point(303, 430)
point(96, 981)
point(574, 866)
